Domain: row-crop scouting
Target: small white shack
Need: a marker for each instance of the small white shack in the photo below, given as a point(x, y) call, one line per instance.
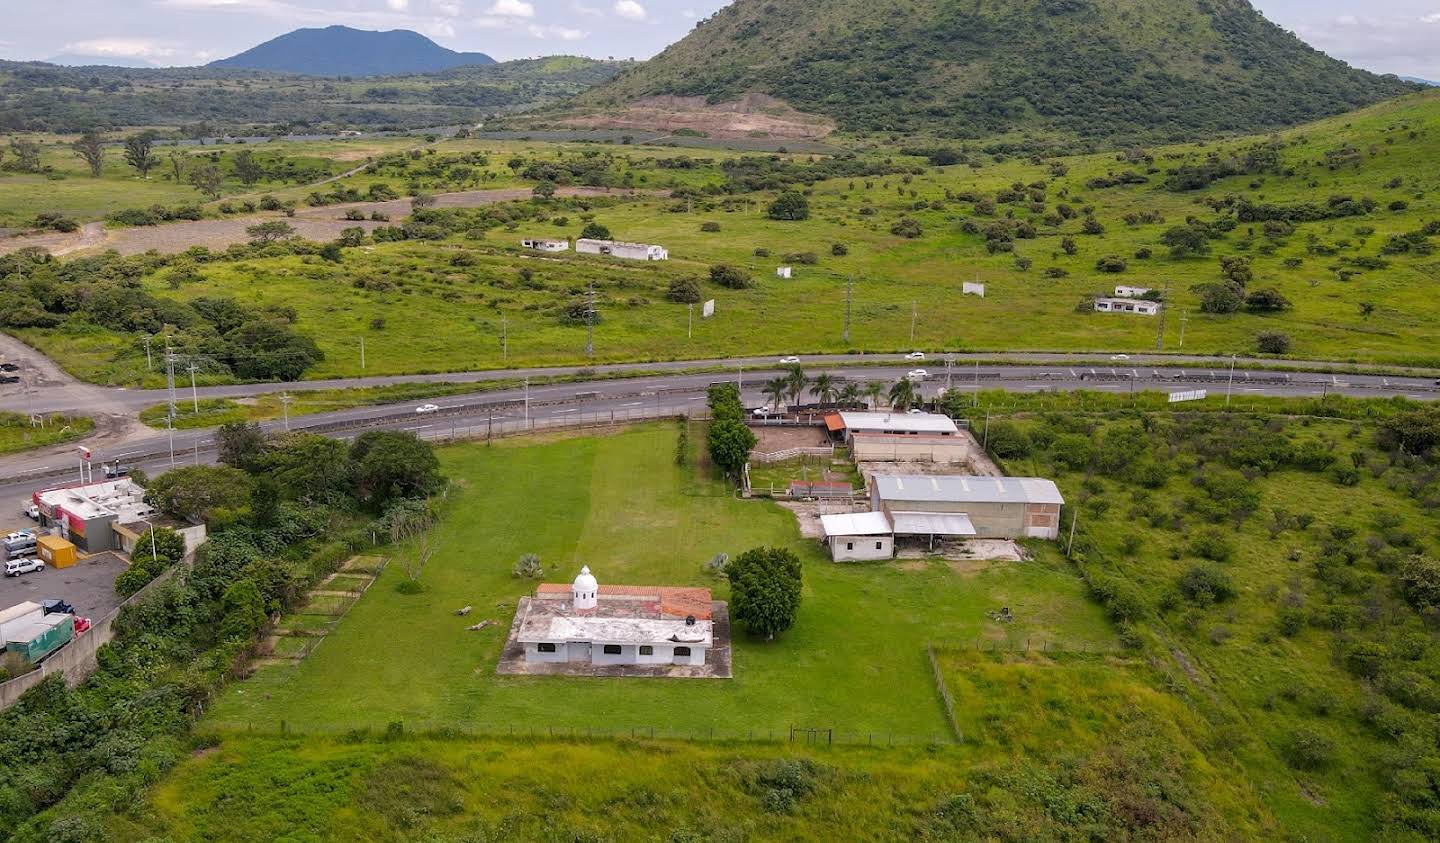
point(859, 536)
point(618, 249)
point(1140, 307)
point(1125, 292)
point(616, 624)
point(546, 245)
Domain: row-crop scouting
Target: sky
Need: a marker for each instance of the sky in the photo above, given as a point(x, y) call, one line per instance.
point(1387, 36)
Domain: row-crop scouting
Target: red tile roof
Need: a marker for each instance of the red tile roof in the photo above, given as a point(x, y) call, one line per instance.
point(834, 423)
point(672, 601)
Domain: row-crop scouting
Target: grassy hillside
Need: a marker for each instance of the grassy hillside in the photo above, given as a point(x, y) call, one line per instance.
point(1088, 69)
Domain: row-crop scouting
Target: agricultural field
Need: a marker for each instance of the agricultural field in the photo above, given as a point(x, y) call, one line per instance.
point(620, 505)
point(1341, 280)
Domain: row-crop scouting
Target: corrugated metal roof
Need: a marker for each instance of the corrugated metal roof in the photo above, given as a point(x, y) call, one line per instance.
point(951, 489)
point(899, 422)
point(933, 524)
point(856, 524)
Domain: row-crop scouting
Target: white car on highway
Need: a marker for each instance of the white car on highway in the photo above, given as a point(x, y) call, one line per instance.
point(16, 567)
point(918, 375)
point(1119, 358)
point(915, 355)
point(791, 359)
point(427, 408)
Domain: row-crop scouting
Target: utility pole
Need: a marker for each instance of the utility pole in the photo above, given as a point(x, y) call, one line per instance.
point(1184, 317)
point(849, 298)
point(1230, 386)
point(504, 338)
point(1164, 311)
point(690, 326)
point(362, 354)
point(977, 383)
point(170, 386)
point(194, 393)
point(914, 315)
point(590, 321)
point(285, 400)
point(527, 402)
point(149, 363)
point(949, 360)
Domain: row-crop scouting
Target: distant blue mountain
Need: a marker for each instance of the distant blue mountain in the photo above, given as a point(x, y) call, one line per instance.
point(1421, 81)
point(342, 51)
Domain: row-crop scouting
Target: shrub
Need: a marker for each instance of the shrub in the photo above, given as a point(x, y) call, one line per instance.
point(684, 291)
point(528, 567)
point(1272, 342)
point(907, 228)
point(1111, 263)
point(839, 250)
point(710, 227)
point(1211, 543)
point(731, 277)
point(1308, 749)
point(1204, 584)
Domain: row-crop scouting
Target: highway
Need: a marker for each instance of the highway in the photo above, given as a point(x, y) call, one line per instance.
point(680, 392)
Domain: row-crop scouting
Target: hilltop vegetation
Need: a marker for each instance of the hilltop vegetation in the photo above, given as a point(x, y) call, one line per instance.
point(36, 97)
point(1093, 70)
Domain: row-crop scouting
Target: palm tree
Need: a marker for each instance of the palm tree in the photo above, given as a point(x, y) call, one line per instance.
point(824, 388)
point(903, 395)
point(776, 390)
point(873, 390)
point(796, 380)
point(850, 394)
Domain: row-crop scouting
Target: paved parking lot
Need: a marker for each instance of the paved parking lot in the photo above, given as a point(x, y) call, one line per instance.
point(89, 586)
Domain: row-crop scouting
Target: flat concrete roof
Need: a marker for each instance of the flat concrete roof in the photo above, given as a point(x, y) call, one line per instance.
point(899, 422)
point(957, 489)
point(933, 524)
point(856, 524)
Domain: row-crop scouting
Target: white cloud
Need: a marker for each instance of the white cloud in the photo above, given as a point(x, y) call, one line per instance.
point(398, 5)
point(587, 11)
point(448, 8)
point(129, 48)
point(1435, 18)
point(564, 33)
point(512, 9)
point(630, 10)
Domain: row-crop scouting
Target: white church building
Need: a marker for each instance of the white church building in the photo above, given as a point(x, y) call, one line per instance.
point(585, 622)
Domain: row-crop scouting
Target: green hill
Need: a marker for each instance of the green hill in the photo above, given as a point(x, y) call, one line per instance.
point(1138, 70)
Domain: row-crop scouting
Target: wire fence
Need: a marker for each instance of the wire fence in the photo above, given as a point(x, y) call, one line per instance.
point(577, 419)
point(787, 734)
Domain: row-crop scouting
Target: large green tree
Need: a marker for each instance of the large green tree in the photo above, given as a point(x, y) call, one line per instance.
point(765, 589)
point(390, 465)
point(139, 153)
point(199, 492)
point(730, 443)
point(790, 205)
point(309, 467)
point(240, 444)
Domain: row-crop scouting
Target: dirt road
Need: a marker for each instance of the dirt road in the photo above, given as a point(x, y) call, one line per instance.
point(310, 223)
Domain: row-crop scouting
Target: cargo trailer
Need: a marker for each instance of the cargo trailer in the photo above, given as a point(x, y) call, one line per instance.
point(41, 637)
point(21, 614)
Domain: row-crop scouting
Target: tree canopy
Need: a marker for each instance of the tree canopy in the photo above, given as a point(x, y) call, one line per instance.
point(765, 589)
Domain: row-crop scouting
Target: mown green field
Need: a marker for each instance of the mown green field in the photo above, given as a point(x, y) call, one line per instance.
point(620, 505)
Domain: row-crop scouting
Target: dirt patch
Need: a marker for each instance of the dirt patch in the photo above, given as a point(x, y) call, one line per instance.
point(771, 439)
point(808, 514)
point(754, 115)
point(961, 552)
point(320, 224)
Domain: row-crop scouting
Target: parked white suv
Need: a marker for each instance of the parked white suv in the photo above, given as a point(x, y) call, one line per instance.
point(16, 567)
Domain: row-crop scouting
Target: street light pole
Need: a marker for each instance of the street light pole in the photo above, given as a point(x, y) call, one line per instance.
point(527, 402)
point(154, 557)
